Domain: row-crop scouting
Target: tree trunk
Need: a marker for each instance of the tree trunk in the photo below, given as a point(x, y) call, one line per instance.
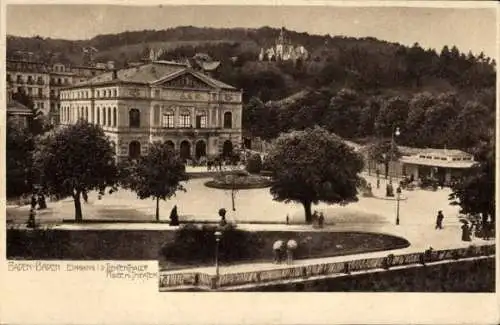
point(157, 209)
point(232, 199)
point(386, 169)
point(307, 208)
point(78, 207)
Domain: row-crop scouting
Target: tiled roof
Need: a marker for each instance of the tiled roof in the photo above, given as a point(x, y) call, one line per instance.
point(151, 73)
point(16, 108)
point(211, 81)
point(146, 73)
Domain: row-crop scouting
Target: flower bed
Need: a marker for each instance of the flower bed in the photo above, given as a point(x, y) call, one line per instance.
point(240, 180)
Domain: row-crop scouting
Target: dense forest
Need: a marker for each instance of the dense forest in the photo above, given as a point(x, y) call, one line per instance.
point(359, 88)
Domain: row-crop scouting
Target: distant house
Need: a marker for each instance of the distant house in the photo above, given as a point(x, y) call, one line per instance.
point(17, 112)
point(284, 50)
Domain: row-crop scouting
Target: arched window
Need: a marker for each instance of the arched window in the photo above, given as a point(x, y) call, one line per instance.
point(134, 118)
point(228, 120)
point(114, 93)
point(98, 115)
point(134, 149)
point(86, 114)
point(109, 116)
point(92, 114)
point(114, 116)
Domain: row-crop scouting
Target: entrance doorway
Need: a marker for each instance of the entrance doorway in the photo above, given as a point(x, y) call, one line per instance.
point(227, 149)
point(201, 149)
point(185, 150)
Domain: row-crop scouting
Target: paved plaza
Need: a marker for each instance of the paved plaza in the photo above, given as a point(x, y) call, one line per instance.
point(252, 206)
point(256, 211)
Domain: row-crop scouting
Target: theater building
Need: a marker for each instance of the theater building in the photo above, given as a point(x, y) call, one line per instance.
point(198, 116)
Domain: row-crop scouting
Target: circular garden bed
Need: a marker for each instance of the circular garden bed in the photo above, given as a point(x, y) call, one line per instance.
point(240, 180)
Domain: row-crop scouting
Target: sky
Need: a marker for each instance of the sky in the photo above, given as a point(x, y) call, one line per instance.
point(467, 28)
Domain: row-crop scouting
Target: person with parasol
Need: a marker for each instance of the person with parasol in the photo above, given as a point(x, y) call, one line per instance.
point(291, 246)
point(278, 251)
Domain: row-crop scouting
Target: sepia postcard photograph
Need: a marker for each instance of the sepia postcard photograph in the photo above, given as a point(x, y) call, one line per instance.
point(253, 148)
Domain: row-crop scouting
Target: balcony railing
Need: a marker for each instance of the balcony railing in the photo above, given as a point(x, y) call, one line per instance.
point(202, 280)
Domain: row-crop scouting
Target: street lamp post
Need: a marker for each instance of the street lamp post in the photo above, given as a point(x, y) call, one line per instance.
point(217, 234)
point(398, 198)
point(395, 132)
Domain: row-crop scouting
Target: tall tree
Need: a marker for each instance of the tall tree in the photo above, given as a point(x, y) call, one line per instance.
point(475, 191)
point(418, 107)
point(383, 152)
point(393, 113)
point(344, 113)
point(75, 160)
point(312, 166)
point(158, 175)
point(19, 160)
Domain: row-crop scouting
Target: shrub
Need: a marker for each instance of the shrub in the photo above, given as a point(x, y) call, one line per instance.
point(197, 243)
point(254, 164)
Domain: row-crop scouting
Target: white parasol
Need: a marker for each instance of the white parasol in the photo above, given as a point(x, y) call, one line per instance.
point(291, 244)
point(277, 244)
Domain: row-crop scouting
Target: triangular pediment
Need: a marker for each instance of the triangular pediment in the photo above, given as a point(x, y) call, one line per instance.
point(185, 79)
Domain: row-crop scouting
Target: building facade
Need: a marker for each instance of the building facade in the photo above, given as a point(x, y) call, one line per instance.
point(17, 113)
point(198, 116)
point(284, 50)
point(42, 82)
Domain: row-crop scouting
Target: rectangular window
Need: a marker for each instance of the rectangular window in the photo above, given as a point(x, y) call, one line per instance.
point(184, 121)
point(201, 121)
point(167, 121)
point(157, 93)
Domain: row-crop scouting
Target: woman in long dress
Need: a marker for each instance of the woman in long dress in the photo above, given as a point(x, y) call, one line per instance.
point(291, 246)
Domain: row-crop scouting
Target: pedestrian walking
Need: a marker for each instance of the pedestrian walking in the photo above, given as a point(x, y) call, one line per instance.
point(174, 217)
point(222, 214)
point(291, 246)
point(33, 201)
point(465, 232)
point(321, 220)
point(31, 220)
point(314, 217)
point(278, 251)
point(439, 220)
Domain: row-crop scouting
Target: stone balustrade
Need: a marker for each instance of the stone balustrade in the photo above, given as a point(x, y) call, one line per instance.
point(201, 280)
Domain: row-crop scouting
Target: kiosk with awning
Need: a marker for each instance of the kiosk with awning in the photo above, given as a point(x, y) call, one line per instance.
point(444, 165)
